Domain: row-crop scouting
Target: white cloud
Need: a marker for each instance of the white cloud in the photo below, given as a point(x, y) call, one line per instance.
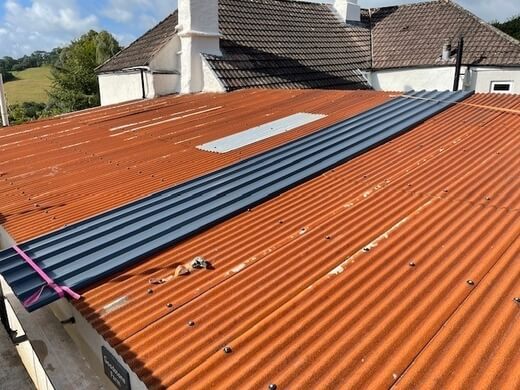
point(42, 25)
point(45, 24)
point(123, 11)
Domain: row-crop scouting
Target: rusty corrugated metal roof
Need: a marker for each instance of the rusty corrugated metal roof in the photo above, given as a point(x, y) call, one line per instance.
point(100, 246)
point(398, 268)
point(56, 172)
point(359, 278)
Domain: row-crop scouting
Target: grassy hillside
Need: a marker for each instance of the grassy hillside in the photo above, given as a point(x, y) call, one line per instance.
point(30, 86)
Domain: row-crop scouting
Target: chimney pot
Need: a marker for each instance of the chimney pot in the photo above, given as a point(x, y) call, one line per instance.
point(446, 50)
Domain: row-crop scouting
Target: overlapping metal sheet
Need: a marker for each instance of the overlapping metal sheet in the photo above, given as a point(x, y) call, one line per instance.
point(359, 277)
point(57, 172)
point(82, 254)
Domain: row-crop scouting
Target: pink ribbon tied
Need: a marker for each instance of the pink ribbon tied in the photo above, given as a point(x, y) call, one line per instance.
point(60, 290)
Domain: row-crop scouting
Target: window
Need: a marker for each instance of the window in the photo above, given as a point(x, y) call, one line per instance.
point(501, 86)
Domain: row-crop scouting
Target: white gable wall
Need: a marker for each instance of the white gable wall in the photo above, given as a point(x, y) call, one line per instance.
point(441, 78)
point(121, 87)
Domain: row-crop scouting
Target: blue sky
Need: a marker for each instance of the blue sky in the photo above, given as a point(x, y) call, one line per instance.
point(28, 25)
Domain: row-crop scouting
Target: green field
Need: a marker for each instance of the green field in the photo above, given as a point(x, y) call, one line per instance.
point(30, 86)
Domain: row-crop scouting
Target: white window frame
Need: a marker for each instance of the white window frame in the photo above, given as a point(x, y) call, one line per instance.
point(494, 83)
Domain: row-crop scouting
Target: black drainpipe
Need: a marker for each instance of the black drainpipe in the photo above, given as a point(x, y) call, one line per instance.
point(142, 83)
point(460, 50)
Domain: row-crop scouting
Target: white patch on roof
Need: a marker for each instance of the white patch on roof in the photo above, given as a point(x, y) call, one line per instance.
point(259, 133)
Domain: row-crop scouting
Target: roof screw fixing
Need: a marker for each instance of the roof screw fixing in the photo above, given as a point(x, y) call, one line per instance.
point(487, 198)
point(470, 282)
point(150, 291)
point(366, 249)
point(227, 349)
point(272, 386)
point(191, 323)
point(169, 305)
point(445, 190)
point(411, 264)
point(517, 300)
point(328, 237)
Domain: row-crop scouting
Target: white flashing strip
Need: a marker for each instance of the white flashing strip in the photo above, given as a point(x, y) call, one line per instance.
point(259, 133)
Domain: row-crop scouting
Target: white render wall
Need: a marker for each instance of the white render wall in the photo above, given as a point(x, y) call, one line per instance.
point(481, 78)
point(168, 57)
point(121, 87)
point(441, 78)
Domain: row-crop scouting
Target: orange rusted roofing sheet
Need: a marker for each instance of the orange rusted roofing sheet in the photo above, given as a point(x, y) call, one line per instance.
point(398, 268)
point(59, 171)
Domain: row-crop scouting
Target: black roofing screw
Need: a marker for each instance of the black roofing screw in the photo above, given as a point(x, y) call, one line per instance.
point(366, 249)
point(272, 386)
point(328, 237)
point(150, 291)
point(517, 300)
point(169, 305)
point(411, 264)
point(227, 349)
point(445, 190)
point(470, 282)
point(191, 323)
point(487, 198)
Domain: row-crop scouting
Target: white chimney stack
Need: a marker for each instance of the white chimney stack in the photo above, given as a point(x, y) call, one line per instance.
point(348, 10)
point(198, 31)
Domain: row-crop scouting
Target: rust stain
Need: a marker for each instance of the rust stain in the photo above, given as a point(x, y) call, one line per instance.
point(60, 171)
point(355, 279)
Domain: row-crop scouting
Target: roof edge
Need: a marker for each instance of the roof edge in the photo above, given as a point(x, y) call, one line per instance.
point(98, 69)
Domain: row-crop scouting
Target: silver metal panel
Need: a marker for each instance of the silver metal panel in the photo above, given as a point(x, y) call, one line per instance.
point(259, 133)
point(91, 250)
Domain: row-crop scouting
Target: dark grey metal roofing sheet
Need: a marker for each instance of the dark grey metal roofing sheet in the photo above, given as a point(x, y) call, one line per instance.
point(88, 251)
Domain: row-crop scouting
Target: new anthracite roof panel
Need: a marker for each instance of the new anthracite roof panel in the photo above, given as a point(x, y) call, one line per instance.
point(86, 252)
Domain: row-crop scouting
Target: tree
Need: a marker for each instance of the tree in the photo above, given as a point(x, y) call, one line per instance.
point(27, 111)
point(75, 85)
point(510, 26)
point(5, 67)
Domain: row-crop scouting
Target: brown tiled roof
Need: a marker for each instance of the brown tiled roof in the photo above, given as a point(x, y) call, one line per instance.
point(295, 44)
point(413, 35)
point(289, 44)
point(142, 51)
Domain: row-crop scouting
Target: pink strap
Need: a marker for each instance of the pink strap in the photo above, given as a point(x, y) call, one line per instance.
point(60, 290)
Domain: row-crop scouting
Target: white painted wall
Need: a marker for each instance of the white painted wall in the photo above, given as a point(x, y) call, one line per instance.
point(441, 78)
point(121, 87)
point(482, 77)
point(168, 57)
